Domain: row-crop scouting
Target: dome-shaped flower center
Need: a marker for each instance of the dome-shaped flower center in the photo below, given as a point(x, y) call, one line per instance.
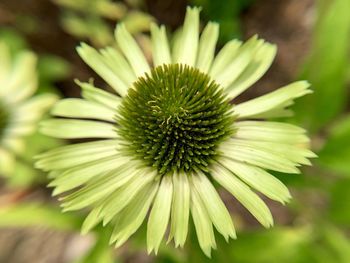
point(174, 118)
point(3, 119)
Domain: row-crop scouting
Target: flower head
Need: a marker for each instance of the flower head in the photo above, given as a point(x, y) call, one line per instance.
point(19, 110)
point(170, 131)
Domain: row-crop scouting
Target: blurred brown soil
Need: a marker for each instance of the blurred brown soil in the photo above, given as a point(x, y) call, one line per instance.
point(287, 23)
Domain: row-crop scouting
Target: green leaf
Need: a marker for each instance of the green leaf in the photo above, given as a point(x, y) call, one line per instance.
point(226, 13)
point(339, 202)
point(335, 154)
point(326, 68)
point(38, 214)
point(52, 68)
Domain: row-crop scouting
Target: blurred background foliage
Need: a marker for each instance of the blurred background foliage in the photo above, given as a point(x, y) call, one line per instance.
point(314, 227)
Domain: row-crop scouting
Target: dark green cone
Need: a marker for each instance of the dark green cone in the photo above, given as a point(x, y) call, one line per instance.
point(174, 119)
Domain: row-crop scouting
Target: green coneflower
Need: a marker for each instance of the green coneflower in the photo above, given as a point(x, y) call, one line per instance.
point(169, 132)
point(19, 110)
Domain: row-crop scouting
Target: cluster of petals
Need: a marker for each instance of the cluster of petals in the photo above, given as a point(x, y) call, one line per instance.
point(121, 191)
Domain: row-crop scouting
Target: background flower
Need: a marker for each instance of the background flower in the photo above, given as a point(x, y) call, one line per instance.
point(20, 110)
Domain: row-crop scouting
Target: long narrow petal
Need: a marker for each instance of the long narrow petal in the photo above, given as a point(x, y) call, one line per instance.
point(259, 179)
point(83, 109)
point(160, 46)
point(74, 129)
point(180, 209)
point(132, 51)
point(239, 63)
point(207, 44)
point(291, 152)
point(133, 215)
point(187, 52)
point(224, 57)
point(72, 155)
point(268, 131)
point(119, 65)
point(81, 174)
point(260, 63)
point(202, 223)
point(98, 188)
point(281, 97)
point(159, 216)
point(97, 62)
point(262, 158)
point(243, 194)
point(93, 218)
point(93, 94)
point(215, 207)
point(119, 199)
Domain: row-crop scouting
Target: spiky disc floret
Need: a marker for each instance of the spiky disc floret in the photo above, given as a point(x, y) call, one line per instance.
point(3, 119)
point(174, 118)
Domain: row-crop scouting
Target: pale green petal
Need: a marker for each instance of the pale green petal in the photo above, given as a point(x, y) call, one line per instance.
point(243, 194)
point(270, 132)
point(260, 63)
point(100, 96)
point(175, 43)
point(74, 129)
point(202, 223)
point(207, 44)
point(81, 174)
point(215, 207)
point(262, 158)
point(23, 91)
point(115, 60)
point(187, 52)
point(281, 97)
point(98, 188)
point(78, 108)
point(279, 112)
point(159, 216)
point(224, 57)
point(119, 199)
point(20, 129)
point(132, 51)
point(97, 62)
point(14, 144)
point(132, 216)
point(238, 64)
point(33, 109)
point(291, 152)
point(91, 220)
point(23, 72)
point(72, 155)
point(180, 209)
point(258, 179)
point(160, 46)
point(7, 162)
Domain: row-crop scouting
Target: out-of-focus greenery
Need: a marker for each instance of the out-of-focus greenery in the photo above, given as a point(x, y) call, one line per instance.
point(94, 20)
point(226, 13)
point(50, 69)
point(327, 67)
